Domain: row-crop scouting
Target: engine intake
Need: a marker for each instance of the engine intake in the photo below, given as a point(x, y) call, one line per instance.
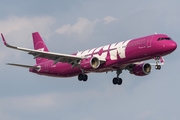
point(141, 69)
point(90, 63)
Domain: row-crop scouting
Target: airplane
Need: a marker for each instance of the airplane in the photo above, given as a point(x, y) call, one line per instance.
point(125, 55)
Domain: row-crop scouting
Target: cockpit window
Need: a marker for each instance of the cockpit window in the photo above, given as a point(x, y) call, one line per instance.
point(167, 38)
point(164, 38)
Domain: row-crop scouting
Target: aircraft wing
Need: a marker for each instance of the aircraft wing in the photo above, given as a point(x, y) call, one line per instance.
point(57, 57)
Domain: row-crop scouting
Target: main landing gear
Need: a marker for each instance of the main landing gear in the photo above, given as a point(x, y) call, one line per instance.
point(157, 67)
point(117, 80)
point(82, 77)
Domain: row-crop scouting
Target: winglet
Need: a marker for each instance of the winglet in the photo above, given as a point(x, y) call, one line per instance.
point(6, 44)
point(3, 39)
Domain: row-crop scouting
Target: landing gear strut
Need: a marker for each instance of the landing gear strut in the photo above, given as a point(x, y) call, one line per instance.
point(117, 80)
point(157, 67)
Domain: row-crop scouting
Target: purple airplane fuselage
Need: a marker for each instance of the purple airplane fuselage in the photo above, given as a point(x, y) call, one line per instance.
point(125, 55)
point(117, 56)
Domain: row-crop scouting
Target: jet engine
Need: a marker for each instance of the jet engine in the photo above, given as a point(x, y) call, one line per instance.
point(141, 69)
point(90, 63)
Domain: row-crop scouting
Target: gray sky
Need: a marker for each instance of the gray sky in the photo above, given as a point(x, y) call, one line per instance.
point(68, 26)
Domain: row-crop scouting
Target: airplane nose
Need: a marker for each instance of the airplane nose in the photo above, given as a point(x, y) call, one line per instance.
point(173, 46)
point(169, 46)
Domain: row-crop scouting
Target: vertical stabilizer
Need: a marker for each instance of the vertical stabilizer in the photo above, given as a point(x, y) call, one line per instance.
point(39, 45)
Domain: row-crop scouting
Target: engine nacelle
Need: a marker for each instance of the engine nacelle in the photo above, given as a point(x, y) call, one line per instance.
point(141, 69)
point(90, 63)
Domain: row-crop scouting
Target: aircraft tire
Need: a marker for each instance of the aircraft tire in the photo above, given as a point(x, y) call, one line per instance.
point(114, 81)
point(158, 67)
point(85, 77)
point(82, 77)
point(117, 81)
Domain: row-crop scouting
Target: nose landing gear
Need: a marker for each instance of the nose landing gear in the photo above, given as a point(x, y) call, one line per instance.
point(157, 67)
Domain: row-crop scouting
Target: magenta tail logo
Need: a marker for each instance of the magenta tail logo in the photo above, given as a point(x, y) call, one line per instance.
point(40, 46)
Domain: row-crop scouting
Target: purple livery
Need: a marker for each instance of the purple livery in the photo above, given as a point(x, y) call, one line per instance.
point(125, 55)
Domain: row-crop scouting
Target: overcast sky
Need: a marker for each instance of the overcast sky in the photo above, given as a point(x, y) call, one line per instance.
point(68, 26)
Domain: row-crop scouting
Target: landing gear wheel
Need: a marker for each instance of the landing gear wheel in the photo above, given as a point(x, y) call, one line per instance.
point(85, 77)
point(158, 67)
point(82, 77)
point(117, 81)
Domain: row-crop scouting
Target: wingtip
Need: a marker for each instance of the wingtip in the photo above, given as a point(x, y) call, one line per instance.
point(3, 39)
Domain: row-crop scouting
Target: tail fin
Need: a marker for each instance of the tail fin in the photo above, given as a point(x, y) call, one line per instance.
point(39, 45)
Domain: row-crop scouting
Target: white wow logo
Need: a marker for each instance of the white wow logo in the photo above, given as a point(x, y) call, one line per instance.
point(113, 49)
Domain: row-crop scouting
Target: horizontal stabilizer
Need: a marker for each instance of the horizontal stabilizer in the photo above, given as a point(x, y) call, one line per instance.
point(25, 66)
